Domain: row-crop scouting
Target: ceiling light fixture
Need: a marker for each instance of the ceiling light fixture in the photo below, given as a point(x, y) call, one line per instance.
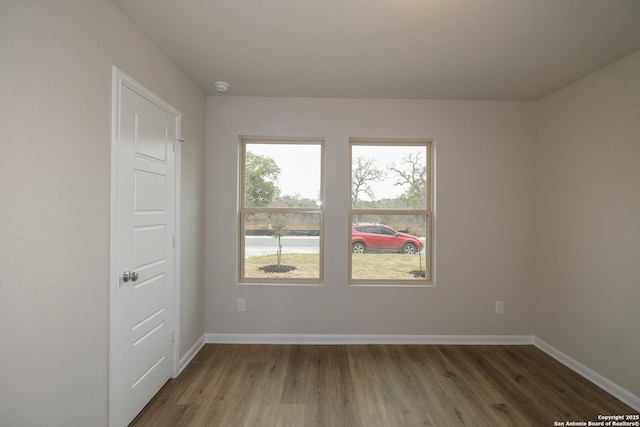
point(222, 87)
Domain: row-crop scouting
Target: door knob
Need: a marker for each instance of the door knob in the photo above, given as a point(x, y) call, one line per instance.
point(128, 275)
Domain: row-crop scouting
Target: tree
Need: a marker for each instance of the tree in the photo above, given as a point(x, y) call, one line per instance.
point(363, 173)
point(412, 171)
point(261, 177)
point(280, 229)
point(296, 201)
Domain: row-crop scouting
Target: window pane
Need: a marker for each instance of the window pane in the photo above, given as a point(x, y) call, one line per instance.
point(389, 177)
point(389, 247)
point(281, 246)
point(282, 175)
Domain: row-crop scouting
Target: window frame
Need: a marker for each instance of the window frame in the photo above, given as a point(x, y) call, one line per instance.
point(428, 212)
point(243, 210)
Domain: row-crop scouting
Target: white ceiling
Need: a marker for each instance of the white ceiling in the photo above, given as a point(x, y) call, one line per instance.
point(429, 49)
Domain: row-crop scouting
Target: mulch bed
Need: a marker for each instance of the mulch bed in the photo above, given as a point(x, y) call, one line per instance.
point(418, 273)
point(275, 268)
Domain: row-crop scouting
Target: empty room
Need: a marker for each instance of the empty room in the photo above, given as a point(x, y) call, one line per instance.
point(331, 213)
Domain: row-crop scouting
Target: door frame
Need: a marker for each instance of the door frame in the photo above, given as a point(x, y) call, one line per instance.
point(120, 79)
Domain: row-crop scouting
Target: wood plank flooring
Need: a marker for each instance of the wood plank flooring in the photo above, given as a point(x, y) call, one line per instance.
point(376, 385)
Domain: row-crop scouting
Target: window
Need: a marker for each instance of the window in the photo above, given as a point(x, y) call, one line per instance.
point(281, 211)
point(391, 212)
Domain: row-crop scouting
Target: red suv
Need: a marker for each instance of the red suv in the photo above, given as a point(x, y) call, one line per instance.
point(380, 238)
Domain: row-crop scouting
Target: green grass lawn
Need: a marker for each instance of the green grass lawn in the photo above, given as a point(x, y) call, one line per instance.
point(307, 266)
point(364, 266)
point(386, 266)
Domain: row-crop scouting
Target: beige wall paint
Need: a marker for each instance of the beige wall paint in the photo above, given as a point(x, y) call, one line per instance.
point(55, 107)
point(484, 221)
point(55, 116)
point(587, 245)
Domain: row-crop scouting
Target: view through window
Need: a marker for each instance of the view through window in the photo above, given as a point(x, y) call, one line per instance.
point(281, 211)
point(391, 217)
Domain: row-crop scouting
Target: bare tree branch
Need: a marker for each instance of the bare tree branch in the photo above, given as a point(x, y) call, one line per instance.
point(412, 171)
point(363, 173)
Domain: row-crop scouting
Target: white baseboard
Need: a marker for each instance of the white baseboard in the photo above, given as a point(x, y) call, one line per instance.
point(195, 348)
point(607, 385)
point(346, 339)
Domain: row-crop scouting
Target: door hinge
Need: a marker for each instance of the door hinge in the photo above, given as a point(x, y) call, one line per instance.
point(174, 334)
point(175, 144)
point(175, 241)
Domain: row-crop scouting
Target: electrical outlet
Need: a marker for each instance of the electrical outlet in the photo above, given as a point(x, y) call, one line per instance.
point(499, 307)
point(240, 304)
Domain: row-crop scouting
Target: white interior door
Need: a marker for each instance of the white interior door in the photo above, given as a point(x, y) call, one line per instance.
point(143, 347)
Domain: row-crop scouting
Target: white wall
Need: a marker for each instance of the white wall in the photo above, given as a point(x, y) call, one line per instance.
point(587, 246)
point(55, 121)
point(484, 221)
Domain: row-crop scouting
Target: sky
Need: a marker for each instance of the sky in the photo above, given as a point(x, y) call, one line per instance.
point(298, 175)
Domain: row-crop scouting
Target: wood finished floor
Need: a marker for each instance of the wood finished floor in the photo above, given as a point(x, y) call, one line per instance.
point(376, 385)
